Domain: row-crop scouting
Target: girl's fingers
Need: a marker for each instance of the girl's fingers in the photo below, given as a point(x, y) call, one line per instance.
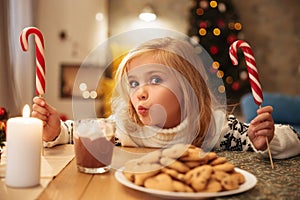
point(267, 124)
point(261, 118)
point(265, 133)
point(39, 101)
point(265, 129)
point(39, 116)
point(38, 109)
point(268, 109)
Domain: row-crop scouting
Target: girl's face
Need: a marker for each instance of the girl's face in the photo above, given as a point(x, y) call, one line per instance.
point(154, 93)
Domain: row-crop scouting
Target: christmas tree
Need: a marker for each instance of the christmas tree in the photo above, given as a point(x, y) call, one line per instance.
point(215, 25)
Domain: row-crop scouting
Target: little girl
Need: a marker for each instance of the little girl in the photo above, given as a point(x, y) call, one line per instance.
point(162, 96)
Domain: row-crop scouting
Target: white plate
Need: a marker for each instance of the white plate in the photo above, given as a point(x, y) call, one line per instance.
point(249, 183)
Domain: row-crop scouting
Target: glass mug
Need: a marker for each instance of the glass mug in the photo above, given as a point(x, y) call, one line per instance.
point(94, 144)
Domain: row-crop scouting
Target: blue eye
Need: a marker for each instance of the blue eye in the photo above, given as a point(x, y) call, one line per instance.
point(156, 80)
point(133, 84)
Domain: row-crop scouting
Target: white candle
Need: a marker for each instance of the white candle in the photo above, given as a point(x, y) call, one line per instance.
point(24, 143)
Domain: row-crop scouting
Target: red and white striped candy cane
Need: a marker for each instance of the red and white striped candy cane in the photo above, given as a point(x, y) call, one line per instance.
point(40, 61)
point(253, 75)
point(251, 67)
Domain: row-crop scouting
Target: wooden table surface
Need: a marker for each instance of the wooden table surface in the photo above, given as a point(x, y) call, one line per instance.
point(279, 183)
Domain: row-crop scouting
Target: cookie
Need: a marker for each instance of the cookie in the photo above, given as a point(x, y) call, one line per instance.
point(136, 166)
point(129, 176)
point(194, 154)
point(226, 167)
point(183, 168)
point(160, 182)
point(176, 151)
point(230, 183)
point(137, 172)
point(240, 177)
point(199, 183)
point(181, 187)
point(132, 166)
point(174, 164)
point(139, 178)
point(204, 172)
point(219, 175)
point(218, 161)
point(173, 173)
point(151, 157)
point(211, 156)
point(192, 164)
point(213, 186)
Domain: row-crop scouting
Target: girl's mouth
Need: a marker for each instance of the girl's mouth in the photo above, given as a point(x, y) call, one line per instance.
point(142, 110)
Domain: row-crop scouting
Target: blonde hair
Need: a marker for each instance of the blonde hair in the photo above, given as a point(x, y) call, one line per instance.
point(189, 71)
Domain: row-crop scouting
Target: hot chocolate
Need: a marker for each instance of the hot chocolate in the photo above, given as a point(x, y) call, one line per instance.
point(94, 143)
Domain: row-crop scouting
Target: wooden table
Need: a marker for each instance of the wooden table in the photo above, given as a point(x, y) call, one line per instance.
point(279, 183)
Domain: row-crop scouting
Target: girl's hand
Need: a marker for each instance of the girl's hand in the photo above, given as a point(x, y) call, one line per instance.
point(49, 116)
point(262, 126)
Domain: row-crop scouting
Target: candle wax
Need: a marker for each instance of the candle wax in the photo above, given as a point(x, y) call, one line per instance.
point(24, 143)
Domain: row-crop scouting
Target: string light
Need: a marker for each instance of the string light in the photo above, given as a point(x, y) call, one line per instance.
point(217, 27)
point(214, 50)
point(216, 65)
point(147, 14)
point(99, 16)
point(93, 94)
point(213, 4)
point(202, 32)
point(222, 7)
point(238, 26)
point(83, 86)
point(217, 31)
point(221, 89)
point(86, 94)
point(220, 74)
point(244, 75)
point(235, 85)
point(229, 80)
point(203, 4)
point(203, 24)
point(200, 11)
point(231, 25)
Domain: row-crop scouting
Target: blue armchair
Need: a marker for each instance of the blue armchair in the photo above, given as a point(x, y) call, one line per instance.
point(286, 108)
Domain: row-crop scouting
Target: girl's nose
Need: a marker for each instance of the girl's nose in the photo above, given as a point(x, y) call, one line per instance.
point(142, 93)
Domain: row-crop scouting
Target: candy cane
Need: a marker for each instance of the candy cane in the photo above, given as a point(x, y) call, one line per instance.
point(40, 61)
point(251, 67)
point(253, 75)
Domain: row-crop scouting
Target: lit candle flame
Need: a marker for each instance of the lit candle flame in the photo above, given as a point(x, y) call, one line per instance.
point(26, 111)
